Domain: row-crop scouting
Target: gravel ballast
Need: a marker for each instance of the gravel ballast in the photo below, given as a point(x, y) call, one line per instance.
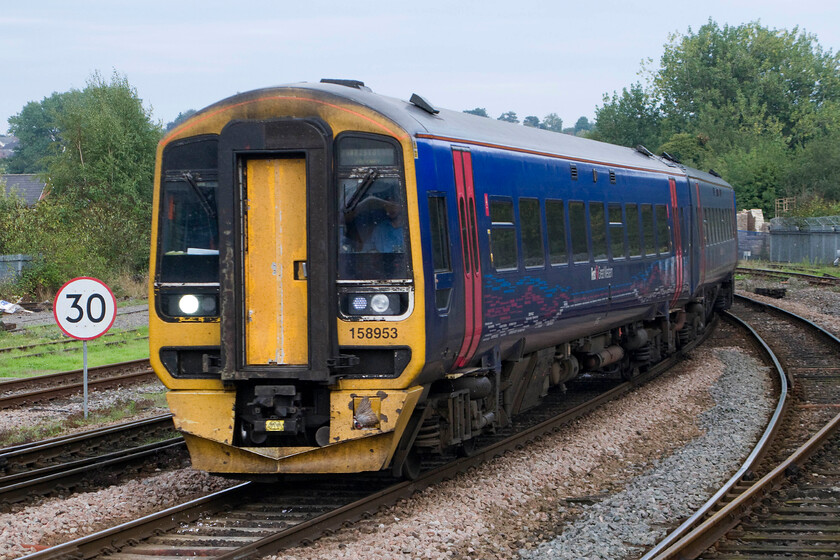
point(624, 524)
point(617, 463)
point(515, 503)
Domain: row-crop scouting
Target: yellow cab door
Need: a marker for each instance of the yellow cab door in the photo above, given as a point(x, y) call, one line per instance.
point(275, 257)
point(277, 251)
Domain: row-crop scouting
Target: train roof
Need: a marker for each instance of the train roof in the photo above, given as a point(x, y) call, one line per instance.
point(473, 129)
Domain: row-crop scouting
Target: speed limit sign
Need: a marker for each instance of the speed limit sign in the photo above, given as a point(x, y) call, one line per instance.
point(85, 308)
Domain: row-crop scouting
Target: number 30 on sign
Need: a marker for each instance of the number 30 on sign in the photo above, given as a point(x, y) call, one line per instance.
point(85, 308)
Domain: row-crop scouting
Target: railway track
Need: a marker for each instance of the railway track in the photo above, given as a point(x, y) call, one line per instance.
point(251, 519)
point(62, 463)
point(64, 345)
point(42, 388)
point(784, 275)
point(786, 503)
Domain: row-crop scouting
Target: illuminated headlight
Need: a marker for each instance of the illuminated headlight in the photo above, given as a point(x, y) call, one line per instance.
point(188, 304)
point(373, 304)
point(360, 303)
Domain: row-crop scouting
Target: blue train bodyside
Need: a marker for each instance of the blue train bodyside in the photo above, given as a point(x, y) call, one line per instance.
point(525, 308)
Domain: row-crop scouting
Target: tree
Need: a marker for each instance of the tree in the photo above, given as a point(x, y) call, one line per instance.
point(99, 160)
point(748, 74)
point(107, 147)
point(510, 117)
point(532, 121)
point(480, 111)
point(630, 119)
point(552, 122)
point(180, 118)
point(582, 125)
point(37, 130)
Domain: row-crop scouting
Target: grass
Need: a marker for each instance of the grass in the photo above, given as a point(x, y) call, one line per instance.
point(793, 267)
point(53, 428)
point(101, 351)
point(64, 357)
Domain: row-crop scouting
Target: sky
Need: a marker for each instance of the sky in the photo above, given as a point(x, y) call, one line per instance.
point(533, 57)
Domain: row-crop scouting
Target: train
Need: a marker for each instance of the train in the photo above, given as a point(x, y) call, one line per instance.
point(343, 282)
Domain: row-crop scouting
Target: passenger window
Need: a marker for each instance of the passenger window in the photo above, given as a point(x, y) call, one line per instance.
point(649, 246)
point(616, 232)
point(440, 233)
point(555, 219)
point(530, 222)
point(503, 235)
point(634, 239)
point(663, 233)
point(577, 225)
point(598, 225)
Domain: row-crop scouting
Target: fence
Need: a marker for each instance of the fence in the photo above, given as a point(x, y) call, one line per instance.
point(12, 265)
point(811, 240)
point(753, 245)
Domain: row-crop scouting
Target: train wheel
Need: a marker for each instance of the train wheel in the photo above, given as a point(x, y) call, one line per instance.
point(411, 466)
point(467, 448)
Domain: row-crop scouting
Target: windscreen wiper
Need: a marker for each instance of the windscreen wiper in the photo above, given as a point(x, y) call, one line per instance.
point(360, 191)
point(205, 204)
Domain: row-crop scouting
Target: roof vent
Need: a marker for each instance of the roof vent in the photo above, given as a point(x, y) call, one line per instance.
point(423, 104)
point(346, 83)
point(644, 151)
point(714, 173)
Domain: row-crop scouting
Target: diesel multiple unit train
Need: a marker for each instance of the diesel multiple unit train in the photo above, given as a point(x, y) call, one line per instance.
point(345, 282)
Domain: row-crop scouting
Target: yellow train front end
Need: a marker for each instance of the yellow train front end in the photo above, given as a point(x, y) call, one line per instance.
point(286, 319)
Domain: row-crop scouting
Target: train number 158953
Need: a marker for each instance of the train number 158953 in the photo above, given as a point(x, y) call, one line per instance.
point(360, 333)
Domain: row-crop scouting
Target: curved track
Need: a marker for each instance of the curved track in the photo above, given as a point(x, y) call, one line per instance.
point(252, 519)
point(794, 509)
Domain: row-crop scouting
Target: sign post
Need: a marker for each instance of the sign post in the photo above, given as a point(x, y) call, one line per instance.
point(85, 308)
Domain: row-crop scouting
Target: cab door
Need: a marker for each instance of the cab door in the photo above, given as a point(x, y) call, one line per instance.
point(275, 259)
point(277, 247)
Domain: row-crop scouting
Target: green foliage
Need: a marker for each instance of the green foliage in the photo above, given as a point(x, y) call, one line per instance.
point(99, 163)
point(510, 117)
point(108, 148)
point(552, 122)
point(480, 111)
point(760, 106)
point(182, 116)
point(630, 119)
point(689, 149)
point(815, 206)
point(37, 129)
point(532, 121)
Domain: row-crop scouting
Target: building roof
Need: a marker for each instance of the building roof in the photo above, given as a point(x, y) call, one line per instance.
point(28, 187)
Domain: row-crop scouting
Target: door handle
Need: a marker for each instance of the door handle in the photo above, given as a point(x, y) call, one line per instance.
point(301, 270)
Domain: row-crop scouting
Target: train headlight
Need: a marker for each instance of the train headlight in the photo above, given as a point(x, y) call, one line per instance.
point(359, 303)
point(188, 304)
point(380, 303)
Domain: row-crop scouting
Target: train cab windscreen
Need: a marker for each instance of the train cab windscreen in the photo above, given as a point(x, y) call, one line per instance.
point(189, 231)
point(373, 226)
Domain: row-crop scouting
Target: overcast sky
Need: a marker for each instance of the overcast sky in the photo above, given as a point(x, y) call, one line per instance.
point(529, 56)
